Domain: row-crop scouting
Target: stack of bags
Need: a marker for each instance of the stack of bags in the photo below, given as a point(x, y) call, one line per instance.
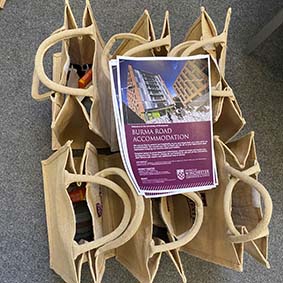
point(93, 212)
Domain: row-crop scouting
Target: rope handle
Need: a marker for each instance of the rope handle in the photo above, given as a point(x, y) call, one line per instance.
point(262, 227)
point(39, 74)
point(144, 45)
point(106, 54)
point(137, 214)
point(108, 184)
point(187, 236)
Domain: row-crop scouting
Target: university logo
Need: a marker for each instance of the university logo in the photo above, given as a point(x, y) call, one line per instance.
point(180, 174)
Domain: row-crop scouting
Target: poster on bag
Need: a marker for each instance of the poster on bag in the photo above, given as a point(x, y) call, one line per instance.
point(163, 115)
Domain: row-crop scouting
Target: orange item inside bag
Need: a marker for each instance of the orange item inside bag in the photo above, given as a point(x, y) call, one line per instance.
point(78, 195)
point(85, 79)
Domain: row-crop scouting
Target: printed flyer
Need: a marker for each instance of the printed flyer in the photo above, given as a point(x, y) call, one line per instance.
point(163, 114)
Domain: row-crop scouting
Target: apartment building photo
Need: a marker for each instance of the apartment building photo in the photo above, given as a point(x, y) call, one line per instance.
point(147, 94)
point(192, 81)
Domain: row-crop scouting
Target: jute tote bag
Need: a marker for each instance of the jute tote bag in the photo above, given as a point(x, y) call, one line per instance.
point(144, 29)
point(73, 53)
point(112, 218)
point(81, 46)
point(217, 241)
point(79, 51)
point(65, 123)
point(202, 38)
point(142, 253)
point(243, 207)
point(66, 254)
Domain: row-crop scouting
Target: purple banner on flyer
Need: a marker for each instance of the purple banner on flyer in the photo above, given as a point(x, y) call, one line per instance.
point(170, 156)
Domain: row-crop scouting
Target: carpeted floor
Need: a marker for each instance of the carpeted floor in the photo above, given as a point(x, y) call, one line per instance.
point(25, 126)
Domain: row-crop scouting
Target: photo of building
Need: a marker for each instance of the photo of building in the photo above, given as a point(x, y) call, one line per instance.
point(192, 81)
point(165, 91)
point(147, 94)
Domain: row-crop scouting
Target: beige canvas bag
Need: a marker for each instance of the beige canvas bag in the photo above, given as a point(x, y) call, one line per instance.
point(80, 46)
point(217, 241)
point(73, 51)
point(142, 253)
point(243, 207)
point(112, 217)
point(66, 255)
point(202, 38)
point(144, 29)
point(97, 127)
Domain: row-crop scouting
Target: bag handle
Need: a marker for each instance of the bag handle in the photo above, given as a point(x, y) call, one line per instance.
point(97, 179)
point(262, 226)
point(184, 47)
point(227, 92)
point(145, 45)
point(137, 213)
point(219, 39)
point(39, 72)
point(187, 236)
point(209, 41)
point(106, 54)
point(180, 47)
point(150, 45)
point(35, 89)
